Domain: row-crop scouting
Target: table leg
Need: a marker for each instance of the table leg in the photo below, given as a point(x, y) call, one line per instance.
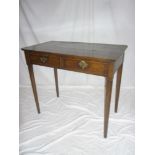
point(56, 81)
point(30, 68)
point(118, 83)
point(108, 91)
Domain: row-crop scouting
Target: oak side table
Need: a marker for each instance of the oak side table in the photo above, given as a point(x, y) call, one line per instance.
point(90, 58)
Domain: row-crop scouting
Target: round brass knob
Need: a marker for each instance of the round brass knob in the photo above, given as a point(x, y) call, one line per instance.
point(82, 64)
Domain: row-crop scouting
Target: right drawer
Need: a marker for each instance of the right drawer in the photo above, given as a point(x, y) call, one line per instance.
point(85, 66)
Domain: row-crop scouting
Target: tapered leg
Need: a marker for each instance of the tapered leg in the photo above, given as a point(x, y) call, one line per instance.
point(56, 81)
point(107, 105)
point(118, 83)
point(30, 68)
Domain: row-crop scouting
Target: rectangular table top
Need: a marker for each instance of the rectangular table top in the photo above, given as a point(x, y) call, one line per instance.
point(109, 52)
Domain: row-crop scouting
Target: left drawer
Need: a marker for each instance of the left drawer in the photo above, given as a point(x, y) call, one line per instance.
point(44, 59)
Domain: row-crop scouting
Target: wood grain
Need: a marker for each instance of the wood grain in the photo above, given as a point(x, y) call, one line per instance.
point(118, 84)
point(56, 81)
point(33, 83)
point(108, 93)
point(98, 59)
point(110, 52)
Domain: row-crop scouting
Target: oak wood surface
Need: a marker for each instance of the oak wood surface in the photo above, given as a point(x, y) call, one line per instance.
point(56, 81)
point(50, 60)
point(108, 52)
point(33, 83)
point(108, 93)
point(90, 58)
point(93, 67)
point(118, 84)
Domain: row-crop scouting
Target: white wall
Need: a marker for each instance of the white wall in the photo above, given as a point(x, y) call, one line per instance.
point(103, 21)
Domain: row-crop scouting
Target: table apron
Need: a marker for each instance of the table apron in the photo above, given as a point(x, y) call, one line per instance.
point(82, 64)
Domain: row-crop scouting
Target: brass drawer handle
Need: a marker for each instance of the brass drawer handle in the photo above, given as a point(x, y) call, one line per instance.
point(43, 59)
point(83, 64)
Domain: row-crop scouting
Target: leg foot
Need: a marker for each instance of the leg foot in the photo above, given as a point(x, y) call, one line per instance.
point(107, 105)
point(118, 83)
point(56, 81)
point(30, 68)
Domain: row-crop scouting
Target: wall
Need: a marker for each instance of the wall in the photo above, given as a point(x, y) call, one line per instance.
point(101, 21)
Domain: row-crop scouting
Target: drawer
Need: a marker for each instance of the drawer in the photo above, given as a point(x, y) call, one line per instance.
point(85, 66)
point(44, 59)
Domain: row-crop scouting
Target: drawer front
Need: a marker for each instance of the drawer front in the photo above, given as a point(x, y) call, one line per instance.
point(85, 66)
point(44, 59)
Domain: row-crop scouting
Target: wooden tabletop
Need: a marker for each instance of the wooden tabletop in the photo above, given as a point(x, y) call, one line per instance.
point(110, 52)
